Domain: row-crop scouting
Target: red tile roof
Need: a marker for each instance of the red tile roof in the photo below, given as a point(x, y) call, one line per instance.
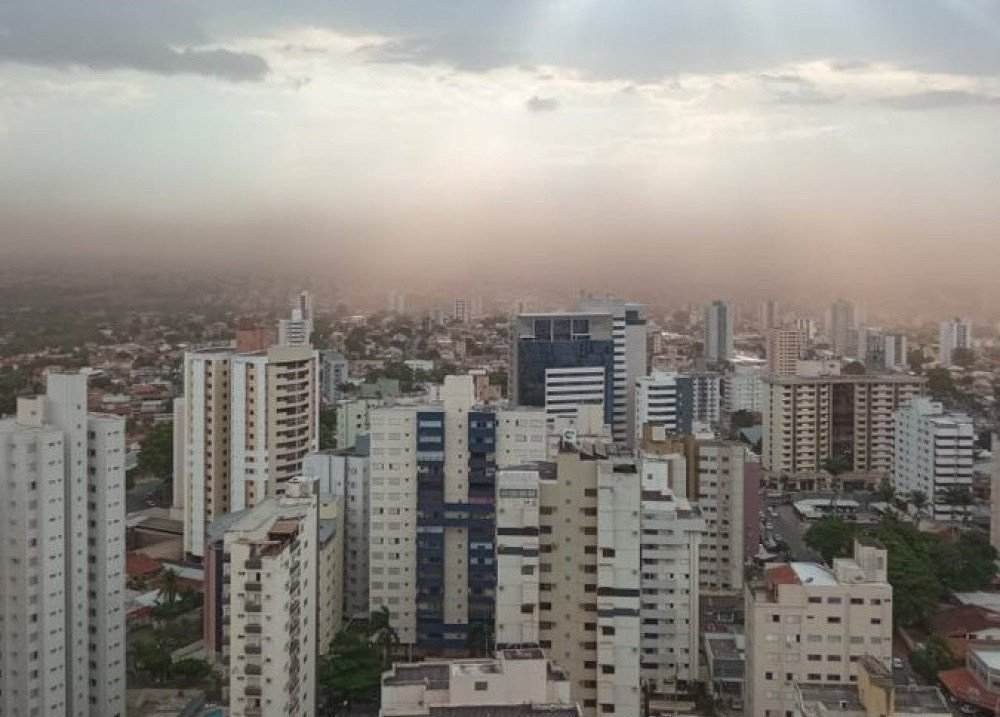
point(961, 621)
point(138, 564)
point(782, 575)
point(963, 686)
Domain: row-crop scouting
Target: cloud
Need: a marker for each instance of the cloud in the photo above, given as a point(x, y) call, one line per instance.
point(161, 38)
point(940, 99)
point(541, 104)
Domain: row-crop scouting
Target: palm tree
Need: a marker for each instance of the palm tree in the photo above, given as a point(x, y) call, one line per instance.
point(169, 586)
point(918, 499)
point(382, 633)
point(959, 496)
point(886, 491)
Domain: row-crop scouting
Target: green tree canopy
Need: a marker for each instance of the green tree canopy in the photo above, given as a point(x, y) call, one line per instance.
point(831, 538)
point(940, 384)
point(931, 658)
point(156, 455)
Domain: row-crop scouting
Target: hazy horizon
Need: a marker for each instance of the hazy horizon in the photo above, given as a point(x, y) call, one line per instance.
point(694, 149)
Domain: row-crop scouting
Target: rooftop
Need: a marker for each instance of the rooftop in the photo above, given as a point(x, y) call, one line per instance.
point(813, 574)
point(526, 710)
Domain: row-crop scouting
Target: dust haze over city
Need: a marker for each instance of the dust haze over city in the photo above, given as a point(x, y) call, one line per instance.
point(689, 148)
point(499, 358)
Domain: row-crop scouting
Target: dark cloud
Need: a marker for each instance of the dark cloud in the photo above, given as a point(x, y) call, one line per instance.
point(940, 99)
point(163, 38)
point(648, 40)
point(541, 104)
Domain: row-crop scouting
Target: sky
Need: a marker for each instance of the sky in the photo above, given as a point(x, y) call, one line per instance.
point(737, 148)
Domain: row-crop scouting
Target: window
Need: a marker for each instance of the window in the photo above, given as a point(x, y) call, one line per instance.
point(482, 686)
point(833, 620)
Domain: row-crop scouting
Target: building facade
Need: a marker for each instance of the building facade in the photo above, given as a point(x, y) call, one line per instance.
point(334, 373)
point(719, 320)
point(346, 475)
point(545, 342)
point(249, 419)
point(784, 349)
point(810, 419)
point(432, 511)
point(954, 334)
point(933, 453)
point(62, 559)
point(270, 604)
point(807, 624)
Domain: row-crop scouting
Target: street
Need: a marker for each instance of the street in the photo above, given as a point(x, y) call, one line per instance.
point(145, 490)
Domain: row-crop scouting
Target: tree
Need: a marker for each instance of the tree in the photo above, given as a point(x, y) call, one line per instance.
point(915, 359)
point(351, 671)
point(918, 499)
point(886, 491)
point(963, 357)
point(479, 638)
point(744, 419)
point(915, 586)
point(156, 455)
point(153, 658)
point(191, 670)
point(835, 465)
point(327, 428)
point(940, 384)
point(831, 538)
point(958, 496)
point(383, 635)
point(931, 658)
point(169, 586)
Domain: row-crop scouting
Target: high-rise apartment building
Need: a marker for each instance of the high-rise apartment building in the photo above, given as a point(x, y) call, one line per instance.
point(543, 343)
point(706, 396)
point(631, 358)
point(843, 321)
point(743, 387)
point(954, 334)
point(663, 399)
point(270, 605)
point(587, 562)
point(333, 373)
point(297, 330)
point(770, 315)
point(784, 349)
point(461, 311)
point(809, 419)
point(432, 514)
point(722, 480)
point(719, 322)
point(566, 389)
point(933, 453)
point(807, 624)
point(670, 551)
point(248, 420)
point(62, 558)
point(895, 352)
point(344, 474)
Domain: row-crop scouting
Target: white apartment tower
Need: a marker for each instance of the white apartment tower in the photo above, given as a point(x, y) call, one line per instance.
point(62, 559)
point(770, 315)
point(297, 330)
point(660, 399)
point(934, 452)
point(249, 419)
point(670, 551)
point(744, 387)
point(954, 334)
point(631, 360)
point(270, 605)
point(719, 321)
point(807, 624)
point(345, 475)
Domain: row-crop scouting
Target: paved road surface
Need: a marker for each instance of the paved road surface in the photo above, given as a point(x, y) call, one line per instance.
point(143, 491)
point(790, 528)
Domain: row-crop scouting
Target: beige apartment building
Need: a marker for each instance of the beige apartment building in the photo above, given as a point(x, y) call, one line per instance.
point(270, 605)
point(810, 625)
point(808, 420)
point(784, 349)
point(245, 424)
point(587, 531)
point(517, 682)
